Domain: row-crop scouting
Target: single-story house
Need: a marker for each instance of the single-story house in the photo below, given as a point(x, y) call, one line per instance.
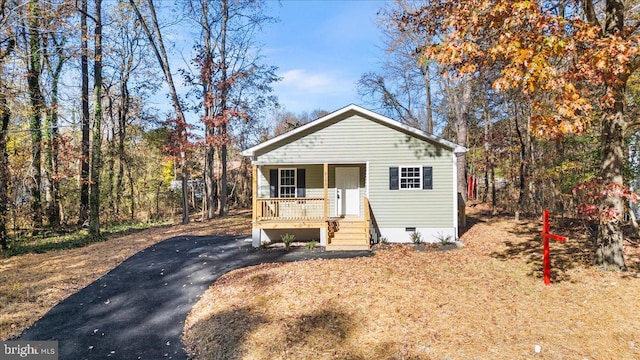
point(352, 178)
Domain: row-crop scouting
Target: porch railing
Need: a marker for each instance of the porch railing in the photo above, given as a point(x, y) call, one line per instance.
point(290, 209)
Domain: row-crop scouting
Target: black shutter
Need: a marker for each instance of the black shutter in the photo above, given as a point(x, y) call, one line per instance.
point(273, 183)
point(427, 178)
point(301, 190)
point(393, 178)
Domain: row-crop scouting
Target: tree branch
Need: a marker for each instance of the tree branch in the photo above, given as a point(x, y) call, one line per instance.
point(590, 12)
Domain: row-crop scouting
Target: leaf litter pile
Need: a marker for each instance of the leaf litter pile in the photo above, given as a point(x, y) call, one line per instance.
point(486, 300)
point(31, 284)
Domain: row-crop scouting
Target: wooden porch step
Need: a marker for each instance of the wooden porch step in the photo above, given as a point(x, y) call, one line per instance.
point(350, 237)
point(347, 234)
point(350, 224)
point(357, 234)
point(347, 247)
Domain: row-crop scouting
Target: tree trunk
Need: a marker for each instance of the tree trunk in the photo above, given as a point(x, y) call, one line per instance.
point(461, 135)
point(222, 192)
point(208, 199)
point(96, 149)
point(210, 185)
point(523, 166)
point(84, 159)
point(494, 201)
point(132, 196)
point(111, 152)
point(222, 189)
point(609, 240)
point(35, 115)
point(5, 176)
point(123, 111)
point(487, 149)
point(110, 160)
point(52, 141)
point(424, 68)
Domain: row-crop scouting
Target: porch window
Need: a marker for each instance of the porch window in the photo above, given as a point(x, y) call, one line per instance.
point(410, 177)
point(287, 183)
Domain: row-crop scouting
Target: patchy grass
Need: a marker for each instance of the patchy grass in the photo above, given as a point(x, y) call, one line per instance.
point(39, 244)
point(484, 301)
point(32, 283)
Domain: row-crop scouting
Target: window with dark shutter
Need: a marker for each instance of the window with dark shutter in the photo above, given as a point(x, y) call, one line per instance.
point(427, 178)
point(393, 178)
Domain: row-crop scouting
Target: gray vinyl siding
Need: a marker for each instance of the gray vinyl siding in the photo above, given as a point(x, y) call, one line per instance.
point(356, 140)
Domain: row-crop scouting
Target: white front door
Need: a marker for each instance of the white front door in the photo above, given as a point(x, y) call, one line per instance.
point(347, 191)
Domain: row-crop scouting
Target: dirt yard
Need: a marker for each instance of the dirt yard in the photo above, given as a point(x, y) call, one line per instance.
point(32, 284)
point(484, 301)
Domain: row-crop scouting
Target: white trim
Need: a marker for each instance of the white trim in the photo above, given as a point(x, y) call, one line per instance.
point(429, 234)
point(455, 195)
point(301, 163)
point(295, 181)
point(368, 113)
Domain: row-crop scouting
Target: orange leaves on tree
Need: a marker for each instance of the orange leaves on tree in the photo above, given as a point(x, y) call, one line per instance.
point(560, 64)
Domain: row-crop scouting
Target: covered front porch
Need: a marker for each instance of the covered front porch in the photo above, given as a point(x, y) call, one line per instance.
point(327, 203)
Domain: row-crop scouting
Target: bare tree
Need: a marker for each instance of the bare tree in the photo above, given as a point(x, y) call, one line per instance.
point(7, 43)
point(86, 126)
point(403, 88)
point(157, 44)
point(229, 75)
point(96, 146)
point(34, 72)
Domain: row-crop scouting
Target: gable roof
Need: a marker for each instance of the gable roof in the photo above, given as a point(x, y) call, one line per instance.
point(325, 120)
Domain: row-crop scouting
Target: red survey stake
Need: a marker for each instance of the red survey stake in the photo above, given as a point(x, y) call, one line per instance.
point(546, 235)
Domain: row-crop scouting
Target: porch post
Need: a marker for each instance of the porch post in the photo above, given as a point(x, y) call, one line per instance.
point(254, 193)
point(326, 191)
point(324, 231)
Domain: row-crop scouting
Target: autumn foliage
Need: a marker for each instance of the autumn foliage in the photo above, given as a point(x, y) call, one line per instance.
point(559, 62)
point(570, 61)
point(590, 195)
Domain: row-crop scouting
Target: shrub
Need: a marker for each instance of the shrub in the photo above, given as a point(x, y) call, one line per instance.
point(444, 240)
point(416, 237)
point(311, 245)
point(287, 239)
point(384, 240)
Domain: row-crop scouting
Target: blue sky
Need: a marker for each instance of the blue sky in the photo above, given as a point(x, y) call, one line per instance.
point(321, 49)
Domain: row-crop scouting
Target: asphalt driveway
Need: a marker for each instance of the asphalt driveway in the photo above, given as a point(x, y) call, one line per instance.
point(137, 310)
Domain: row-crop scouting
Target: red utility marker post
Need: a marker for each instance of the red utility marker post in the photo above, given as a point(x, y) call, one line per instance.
point(545, 238)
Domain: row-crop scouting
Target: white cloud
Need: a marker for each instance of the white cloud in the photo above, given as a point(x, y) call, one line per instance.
point(303, 90)
point(319, 83)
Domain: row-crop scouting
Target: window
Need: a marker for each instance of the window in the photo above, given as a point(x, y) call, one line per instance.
point(287, 183)
point(410, 177)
